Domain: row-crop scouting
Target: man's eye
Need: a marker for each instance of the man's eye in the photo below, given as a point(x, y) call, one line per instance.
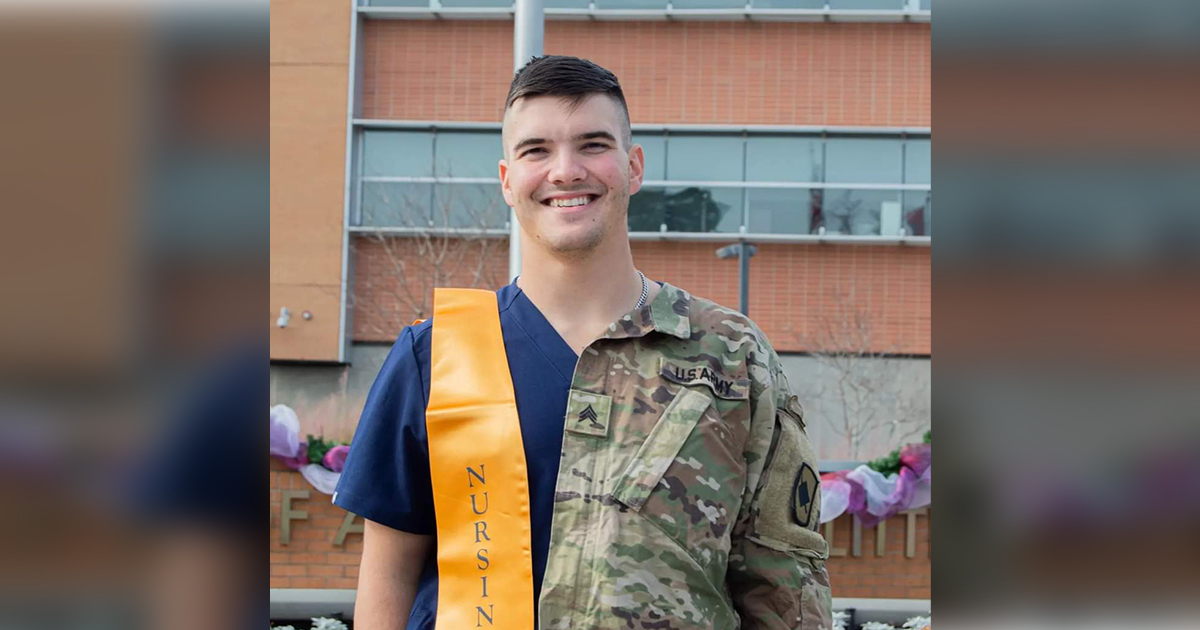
point(533, 150)
point(595, 145)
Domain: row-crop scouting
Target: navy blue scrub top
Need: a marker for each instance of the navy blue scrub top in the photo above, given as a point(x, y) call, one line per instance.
point(386, 478)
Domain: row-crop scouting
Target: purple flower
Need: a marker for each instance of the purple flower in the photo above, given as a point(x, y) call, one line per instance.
point(299, 460)
point(335, 458)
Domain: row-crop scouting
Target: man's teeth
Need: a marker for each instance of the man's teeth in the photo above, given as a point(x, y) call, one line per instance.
point(567, 203)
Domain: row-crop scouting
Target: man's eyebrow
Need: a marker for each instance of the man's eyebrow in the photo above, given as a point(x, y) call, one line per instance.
point(591, 135)
point(527, 142)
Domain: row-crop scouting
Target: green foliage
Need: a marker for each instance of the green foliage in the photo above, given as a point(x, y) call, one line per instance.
point(317, 447)
point(891, 462)
point(888, 464)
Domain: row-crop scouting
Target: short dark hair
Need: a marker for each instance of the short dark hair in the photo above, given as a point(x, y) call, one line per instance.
point(571, 78)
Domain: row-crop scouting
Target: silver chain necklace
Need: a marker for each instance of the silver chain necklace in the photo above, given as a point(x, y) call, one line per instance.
point(645, 292)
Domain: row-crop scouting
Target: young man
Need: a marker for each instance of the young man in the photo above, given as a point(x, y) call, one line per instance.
point(671, 481)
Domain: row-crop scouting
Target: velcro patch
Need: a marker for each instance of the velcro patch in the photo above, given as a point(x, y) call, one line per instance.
point(789, 502)
point(721, 385)
point(588, 413)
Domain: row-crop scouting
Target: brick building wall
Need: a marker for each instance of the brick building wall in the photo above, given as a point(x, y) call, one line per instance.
point(796, 291)
point(785, 73)
point(312, 559)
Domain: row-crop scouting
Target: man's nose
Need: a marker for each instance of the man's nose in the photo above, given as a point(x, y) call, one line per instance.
point(567, 168)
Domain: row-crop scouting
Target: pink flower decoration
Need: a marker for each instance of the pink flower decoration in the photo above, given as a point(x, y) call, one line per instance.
point(335, 458)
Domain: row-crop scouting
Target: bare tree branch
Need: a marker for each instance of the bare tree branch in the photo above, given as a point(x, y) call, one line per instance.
point(868, 390)
point(446, 244)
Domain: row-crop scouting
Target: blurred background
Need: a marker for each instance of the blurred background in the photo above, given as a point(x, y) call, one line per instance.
point(1068, 289)
point(134, 256)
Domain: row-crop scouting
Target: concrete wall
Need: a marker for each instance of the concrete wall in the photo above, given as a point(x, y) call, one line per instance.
point(329, 398)
point(888, 399)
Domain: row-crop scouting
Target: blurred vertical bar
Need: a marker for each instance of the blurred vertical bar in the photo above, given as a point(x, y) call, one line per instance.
point(133, 248)
point(1068, 274)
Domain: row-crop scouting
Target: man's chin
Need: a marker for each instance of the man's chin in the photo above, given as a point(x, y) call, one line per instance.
point(577, 244)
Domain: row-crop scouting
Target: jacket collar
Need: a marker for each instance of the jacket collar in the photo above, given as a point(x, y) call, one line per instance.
point(667, 313)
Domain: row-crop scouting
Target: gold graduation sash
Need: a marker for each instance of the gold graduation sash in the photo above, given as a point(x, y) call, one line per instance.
point(477, 468)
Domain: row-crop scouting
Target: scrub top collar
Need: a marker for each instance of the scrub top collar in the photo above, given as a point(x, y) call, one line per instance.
point(668, 313)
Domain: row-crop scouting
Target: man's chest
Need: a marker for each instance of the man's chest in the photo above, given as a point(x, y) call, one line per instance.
point(652, 476)
point(660, 430)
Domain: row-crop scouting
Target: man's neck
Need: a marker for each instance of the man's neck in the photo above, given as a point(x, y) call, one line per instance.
point(581, 296)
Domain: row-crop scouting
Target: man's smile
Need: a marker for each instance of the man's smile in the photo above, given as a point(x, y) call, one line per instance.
point(571, 203)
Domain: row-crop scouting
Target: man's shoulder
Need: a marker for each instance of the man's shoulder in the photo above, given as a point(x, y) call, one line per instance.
point(414, 340)
point(412, 337)
point(724, 327)
point(726, 342)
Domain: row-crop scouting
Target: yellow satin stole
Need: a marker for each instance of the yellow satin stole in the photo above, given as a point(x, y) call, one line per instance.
point(477, 467)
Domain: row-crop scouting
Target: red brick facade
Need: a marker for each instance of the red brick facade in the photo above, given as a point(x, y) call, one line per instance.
point(779, 73)
point(797, 292)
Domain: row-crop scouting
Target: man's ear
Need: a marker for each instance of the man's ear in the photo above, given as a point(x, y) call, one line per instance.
point(504, 187)
point(637, 168)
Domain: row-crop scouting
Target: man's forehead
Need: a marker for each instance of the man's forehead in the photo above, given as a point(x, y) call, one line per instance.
point(554, 117)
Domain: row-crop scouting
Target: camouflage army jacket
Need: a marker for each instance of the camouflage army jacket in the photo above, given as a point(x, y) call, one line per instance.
point(687, 495)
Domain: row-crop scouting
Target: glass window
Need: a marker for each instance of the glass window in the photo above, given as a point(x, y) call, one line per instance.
point(399, 3)
point(566, 4)
point(917, 212)
point(925, 5)
point(655, 149)
point(782, 210)
point(709, 4)
point(468, 154)
point(783, 159)
point(628, 4)
point(469, 206)
point(395, 204)
point(868, 4)
point(917, 162)
point(689, 209)
point(862, 161)
point(647, 209)
point(860, 212)
point(704, 158)
point(788, 4)
point(477, 3)
point(408, 153)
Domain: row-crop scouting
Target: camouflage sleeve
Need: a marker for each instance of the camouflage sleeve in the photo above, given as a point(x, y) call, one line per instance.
point(777, 576)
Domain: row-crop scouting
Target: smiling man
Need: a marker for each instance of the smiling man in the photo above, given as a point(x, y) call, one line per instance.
point(671, 483)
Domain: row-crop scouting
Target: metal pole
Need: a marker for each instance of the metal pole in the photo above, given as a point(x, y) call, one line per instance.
point(529, 26)
point(744, 281)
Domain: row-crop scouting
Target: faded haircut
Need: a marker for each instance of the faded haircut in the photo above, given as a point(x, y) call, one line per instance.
point(570, 78)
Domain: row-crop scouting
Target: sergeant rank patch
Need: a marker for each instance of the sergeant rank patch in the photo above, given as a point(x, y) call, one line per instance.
point(587, 413)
